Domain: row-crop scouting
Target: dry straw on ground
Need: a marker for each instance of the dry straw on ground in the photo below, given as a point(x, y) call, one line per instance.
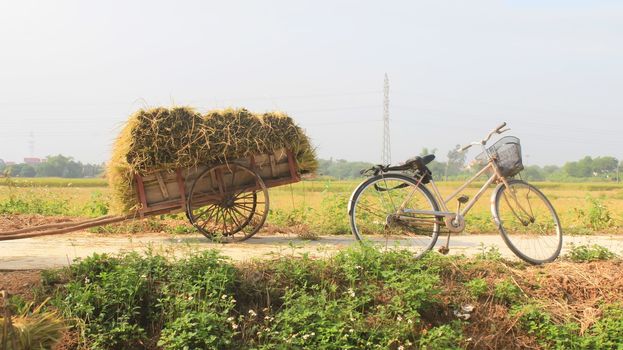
point(169, 138)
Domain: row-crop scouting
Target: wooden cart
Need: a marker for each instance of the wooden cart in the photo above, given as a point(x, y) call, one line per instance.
point(226, 202)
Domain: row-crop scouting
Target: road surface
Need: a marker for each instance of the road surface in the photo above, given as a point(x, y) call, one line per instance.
point(57, 251)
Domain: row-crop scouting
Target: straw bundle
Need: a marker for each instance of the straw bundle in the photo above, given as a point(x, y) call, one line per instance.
point(169, 138)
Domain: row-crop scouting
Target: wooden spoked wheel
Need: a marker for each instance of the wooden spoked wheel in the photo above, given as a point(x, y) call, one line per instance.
point(228, 203)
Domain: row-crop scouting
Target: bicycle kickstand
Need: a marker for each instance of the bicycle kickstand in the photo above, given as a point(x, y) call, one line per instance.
point(445, 249)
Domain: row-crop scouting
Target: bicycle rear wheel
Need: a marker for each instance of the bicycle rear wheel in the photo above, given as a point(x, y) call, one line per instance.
point(528, 222)
point(376, 215)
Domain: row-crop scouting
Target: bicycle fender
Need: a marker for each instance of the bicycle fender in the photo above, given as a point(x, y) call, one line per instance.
point(350, 200)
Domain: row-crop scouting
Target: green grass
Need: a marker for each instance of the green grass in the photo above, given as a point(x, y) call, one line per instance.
point(359, 298)
point(320, 205)
point(53, 182)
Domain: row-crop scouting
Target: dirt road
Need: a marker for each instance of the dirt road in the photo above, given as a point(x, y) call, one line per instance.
point(57, 251)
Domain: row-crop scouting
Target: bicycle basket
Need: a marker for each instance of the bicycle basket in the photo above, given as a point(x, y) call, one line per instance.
point(507, 153)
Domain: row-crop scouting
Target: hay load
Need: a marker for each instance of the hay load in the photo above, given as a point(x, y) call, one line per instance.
point(165, 139)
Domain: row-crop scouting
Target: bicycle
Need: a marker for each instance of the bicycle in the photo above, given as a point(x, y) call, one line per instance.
point(396, 205)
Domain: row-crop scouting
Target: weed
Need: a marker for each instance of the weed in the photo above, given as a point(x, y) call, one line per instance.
point(489, 253)
point(549, 335)
point(607, 332)
point(447, 336)
point(588, 253)
point(98, 205)
point(506, 291)
point(477, 287)
point(597, 216)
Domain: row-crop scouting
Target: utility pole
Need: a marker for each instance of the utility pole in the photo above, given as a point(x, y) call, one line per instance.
point(386, 155)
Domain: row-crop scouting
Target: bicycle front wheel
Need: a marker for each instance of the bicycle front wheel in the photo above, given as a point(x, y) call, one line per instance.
point(385, 209)
point(528, 222)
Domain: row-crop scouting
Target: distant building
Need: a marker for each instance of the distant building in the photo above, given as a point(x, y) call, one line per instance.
point(33, 160)
point(9, 163)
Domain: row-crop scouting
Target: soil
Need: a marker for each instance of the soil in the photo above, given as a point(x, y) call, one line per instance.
point(18, 221)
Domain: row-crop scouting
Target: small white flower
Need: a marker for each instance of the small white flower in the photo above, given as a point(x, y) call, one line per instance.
point(252, 313)
point(234, 326)
point(229, 319)
point(312, 334)
point(359, 267)
point(224, 296)
point(352, 319)
point(143, 276)
point(401, 347)
point(87, 280)
point(233, 301)
point(306, 336)
point(351, 330)
point(399, 318)
point(351, 292)
point(409, 322)
point(408, 343)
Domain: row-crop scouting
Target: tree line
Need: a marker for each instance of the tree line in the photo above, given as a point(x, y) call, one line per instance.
point(603, 168)
point(53, 166)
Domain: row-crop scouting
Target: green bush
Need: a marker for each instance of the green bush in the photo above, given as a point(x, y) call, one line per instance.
point(447, 336)
point(597, 216)
point(477, 287)
point(607, 332)
point(549, 335)
point(360, 298)
point(588, 253)
point(506, 291)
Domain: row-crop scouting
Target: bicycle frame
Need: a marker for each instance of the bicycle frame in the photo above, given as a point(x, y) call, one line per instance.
point(445, 212)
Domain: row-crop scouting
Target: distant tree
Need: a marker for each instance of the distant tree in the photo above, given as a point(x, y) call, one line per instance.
point(533, 173)
point(59, 166)
point(15, 169)
point(92, 170)
point(341, 169)
point(605, 165)
point(2, 166)
point(456, 161)
point(27, 171)
point(550, 169)
point(436, 167)
point(581, 168)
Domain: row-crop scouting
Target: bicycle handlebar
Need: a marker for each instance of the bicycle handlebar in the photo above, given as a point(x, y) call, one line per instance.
point(497, 130)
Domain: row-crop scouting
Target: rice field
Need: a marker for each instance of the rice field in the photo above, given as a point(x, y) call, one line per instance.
point(320, 205)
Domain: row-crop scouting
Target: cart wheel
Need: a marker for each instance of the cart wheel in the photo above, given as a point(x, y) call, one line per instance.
point(228, 203)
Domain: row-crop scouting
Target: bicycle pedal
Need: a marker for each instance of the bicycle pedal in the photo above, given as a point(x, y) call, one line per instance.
point(444, 250)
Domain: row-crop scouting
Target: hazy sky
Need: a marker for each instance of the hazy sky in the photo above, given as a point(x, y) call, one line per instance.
point(72, 71)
